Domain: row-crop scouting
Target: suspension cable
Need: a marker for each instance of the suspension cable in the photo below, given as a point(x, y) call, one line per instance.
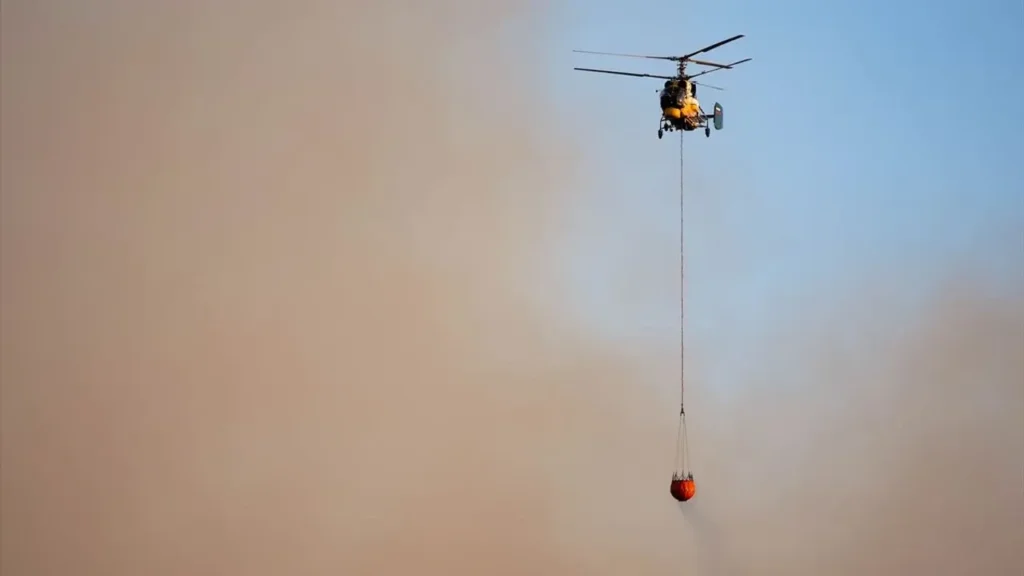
point(682, 442)
point(682, 284)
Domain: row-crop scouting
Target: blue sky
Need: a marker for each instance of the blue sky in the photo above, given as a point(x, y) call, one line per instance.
point(863, 138)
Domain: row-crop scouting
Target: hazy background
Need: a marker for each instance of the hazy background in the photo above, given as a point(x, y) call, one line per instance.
point(357, 287)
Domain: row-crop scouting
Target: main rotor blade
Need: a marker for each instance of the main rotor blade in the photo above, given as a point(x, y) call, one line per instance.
point(702, 85)
point(706, 63)
point(723, 67)
point(713, 46)
point(634, 74)
point(672, 58)
point(626, 55)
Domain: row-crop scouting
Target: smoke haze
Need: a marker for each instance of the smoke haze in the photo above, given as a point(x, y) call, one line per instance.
point(278, 297)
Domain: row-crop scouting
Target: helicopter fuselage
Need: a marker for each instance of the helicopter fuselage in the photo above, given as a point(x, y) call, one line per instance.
point(685, 116)
point(680, 109)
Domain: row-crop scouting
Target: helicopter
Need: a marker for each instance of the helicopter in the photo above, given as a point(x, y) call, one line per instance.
point(680, 109)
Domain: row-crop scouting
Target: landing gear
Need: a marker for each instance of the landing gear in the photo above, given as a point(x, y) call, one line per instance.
point(707, 132)
point(661, 133)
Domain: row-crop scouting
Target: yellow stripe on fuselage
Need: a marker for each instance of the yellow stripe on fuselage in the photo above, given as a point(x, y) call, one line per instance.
point(691, 109)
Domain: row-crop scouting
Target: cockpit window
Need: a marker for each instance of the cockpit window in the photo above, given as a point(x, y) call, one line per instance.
point(666, 99)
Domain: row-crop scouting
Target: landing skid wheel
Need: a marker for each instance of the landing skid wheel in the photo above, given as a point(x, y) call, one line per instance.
point(707, 132)
point(661, 133)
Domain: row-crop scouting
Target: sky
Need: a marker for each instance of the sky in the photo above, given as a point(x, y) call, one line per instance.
point(861, 139)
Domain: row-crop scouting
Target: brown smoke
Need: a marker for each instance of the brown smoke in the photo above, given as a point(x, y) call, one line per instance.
point(278, 298)
point(896, 447)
